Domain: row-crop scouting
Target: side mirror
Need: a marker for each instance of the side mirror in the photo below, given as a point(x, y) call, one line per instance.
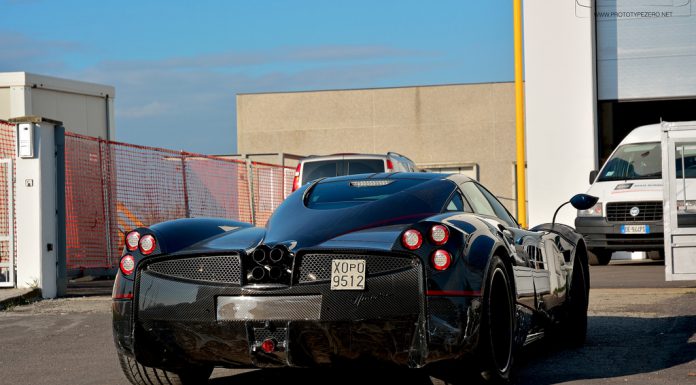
point(593, 176)
point(580, 202)
point(583, 201)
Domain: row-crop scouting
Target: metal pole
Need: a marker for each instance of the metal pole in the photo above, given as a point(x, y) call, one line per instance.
point(187, 205)
point(519, 116)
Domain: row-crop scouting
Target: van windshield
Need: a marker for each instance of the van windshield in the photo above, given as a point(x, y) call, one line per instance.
point(634, 161)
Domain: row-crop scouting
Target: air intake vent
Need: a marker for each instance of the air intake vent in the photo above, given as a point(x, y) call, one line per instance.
point(219, 268)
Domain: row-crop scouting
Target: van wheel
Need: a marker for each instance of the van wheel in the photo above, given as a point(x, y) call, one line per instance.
point(656, 255)
point(599, 257)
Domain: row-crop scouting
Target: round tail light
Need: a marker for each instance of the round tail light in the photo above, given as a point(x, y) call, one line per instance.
point(441, 259)
point(268, 346)
point(412, 239)
point(127, 264)
point(132, 240)
point(439, 234)
point(147, 244)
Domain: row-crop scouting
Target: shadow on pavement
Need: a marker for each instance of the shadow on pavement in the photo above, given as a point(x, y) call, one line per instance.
point(616, 346)
point(324, 376)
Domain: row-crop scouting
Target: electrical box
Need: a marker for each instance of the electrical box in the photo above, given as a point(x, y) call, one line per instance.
point(25, 140)
point(679, 209)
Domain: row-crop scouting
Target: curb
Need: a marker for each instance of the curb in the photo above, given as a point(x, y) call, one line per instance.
point(21, 299)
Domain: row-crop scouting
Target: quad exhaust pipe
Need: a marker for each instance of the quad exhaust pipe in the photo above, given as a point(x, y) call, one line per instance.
point(269, 264)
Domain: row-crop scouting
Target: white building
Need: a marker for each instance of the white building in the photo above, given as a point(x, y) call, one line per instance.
point(84, 108)
point(594, 70)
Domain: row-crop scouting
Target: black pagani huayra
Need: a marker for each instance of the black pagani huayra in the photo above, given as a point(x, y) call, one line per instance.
point(407, 269)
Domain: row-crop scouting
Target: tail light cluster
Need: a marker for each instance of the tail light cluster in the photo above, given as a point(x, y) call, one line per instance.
point(296, 179)
point(269, 265)
point(146, 244)
point(438, 235)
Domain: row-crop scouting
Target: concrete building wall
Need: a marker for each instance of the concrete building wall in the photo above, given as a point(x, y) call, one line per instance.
point(84, 108)
point(433, 125)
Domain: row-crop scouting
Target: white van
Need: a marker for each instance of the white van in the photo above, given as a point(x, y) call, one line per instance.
point(628, 216)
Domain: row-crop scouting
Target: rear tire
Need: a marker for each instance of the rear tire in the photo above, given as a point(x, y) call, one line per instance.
point(577, 302)
point(496, 339)
point(600, 257)
point(139, 374)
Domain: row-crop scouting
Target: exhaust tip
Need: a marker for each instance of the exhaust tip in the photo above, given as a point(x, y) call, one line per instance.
point(256, 274)
point(259, 255)
point(277, 254)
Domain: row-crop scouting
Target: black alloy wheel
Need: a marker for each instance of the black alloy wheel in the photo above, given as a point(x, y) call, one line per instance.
point(577, 302)
point(495, 349)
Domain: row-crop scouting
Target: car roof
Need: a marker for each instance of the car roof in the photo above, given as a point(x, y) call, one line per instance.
point(457, 178)
point(393, 155)
point(314, 158)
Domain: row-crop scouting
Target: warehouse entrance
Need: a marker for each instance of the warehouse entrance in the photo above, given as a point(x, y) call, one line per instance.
point(616, 118)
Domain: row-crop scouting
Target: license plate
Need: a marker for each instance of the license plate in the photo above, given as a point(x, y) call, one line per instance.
point(348, 274)
point(635, 229)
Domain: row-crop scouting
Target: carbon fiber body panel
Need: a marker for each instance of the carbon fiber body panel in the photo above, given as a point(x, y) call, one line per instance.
point(176, 320)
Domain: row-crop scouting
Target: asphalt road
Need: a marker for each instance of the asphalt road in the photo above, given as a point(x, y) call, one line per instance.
point(641, 331)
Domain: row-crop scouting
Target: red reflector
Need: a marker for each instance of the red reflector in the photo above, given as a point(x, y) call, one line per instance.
point(412, 239)
point(268, 346)
point(296, 179)
point(127, 265)
point(439, 234)
point(390, 165)
point(132, 240)
point(147, 244)
point(441, 259)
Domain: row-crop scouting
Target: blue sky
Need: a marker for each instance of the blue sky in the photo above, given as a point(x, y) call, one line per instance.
point(177, 65)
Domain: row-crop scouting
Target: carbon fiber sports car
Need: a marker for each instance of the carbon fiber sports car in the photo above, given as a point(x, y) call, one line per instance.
point(409, 269)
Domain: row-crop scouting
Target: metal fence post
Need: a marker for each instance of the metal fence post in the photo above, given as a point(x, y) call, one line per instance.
point(106, 197)
point(61, 257)
point(250, 177)
point(187, 207)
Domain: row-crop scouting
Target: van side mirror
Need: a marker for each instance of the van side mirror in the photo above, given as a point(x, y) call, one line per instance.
point(593, 176)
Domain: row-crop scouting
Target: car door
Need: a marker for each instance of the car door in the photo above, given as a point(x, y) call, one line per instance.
point(529, 269)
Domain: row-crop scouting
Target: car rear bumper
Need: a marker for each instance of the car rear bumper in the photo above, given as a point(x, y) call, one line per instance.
point(175, 323)
point(602, 234)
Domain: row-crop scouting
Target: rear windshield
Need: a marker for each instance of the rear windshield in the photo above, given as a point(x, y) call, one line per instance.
point(634, 161)
point(365, 166)
point(339, 167)
point(319, 169)
point(335, 195)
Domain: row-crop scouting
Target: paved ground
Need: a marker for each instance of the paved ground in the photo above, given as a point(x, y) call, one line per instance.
point(636, 336)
